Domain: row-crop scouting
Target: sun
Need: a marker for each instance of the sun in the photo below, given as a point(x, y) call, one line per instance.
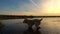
point(52, 6)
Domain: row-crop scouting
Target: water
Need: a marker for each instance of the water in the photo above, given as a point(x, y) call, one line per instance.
point(48, 26)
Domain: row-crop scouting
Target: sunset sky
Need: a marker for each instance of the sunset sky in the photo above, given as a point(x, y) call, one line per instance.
point(30, 7)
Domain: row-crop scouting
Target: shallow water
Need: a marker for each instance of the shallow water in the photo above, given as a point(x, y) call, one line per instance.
point(48, 26)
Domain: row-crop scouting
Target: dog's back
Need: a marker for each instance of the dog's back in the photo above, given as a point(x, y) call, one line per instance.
point(29, 22)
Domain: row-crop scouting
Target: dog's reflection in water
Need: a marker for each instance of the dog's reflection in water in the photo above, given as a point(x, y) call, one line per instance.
point(30, 23)
point(31, 31)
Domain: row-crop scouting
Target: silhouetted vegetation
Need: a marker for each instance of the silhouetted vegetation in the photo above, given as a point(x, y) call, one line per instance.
point(22, 16)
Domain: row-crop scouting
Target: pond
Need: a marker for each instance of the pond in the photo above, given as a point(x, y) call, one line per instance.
point(48, 26)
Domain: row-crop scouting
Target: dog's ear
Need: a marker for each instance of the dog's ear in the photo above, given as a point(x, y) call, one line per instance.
point(41, 19)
